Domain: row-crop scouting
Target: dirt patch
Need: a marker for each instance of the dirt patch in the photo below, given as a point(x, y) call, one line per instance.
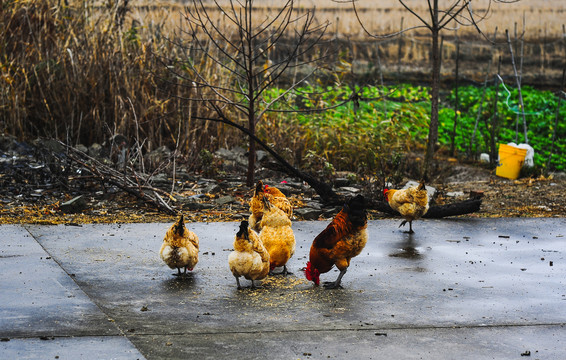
point(35, 191)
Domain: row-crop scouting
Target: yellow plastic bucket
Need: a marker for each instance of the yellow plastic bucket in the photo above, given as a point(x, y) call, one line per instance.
point(511, 160)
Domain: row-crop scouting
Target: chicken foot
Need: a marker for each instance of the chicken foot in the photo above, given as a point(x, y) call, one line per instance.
point(410, 226)
point(179, 273)
point(283, 272)
point(335, 284)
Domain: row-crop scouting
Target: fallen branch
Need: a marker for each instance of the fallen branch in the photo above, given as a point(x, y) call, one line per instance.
point(435, 212)
point(129, 184)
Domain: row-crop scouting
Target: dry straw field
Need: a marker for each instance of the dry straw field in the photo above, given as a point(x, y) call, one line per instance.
point(544, 19)
point(537, 27)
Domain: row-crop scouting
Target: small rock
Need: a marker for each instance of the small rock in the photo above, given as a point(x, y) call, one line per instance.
point(193, 206)
point(341, 182)
point(476, 194)
point(331, 211)
point(212, 189)
point(225, 200)
point(74, 205)
point(308, 213)
point(455, 193)
point(313, 205)
point(157, 157)
point(260, 154)
point(81, 148)
point(94, 150)
point(349, 189)
point(160, 179)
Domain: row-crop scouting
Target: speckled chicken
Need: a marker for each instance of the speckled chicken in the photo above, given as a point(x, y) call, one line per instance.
point(180, 248)
point(411, 203)
point(249, 259)
point(274, 196)
point(277, 236)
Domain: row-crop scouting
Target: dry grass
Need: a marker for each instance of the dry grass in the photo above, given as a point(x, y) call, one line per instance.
point(83, 73)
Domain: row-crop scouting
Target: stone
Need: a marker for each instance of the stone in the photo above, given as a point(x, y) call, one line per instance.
point(349, 189)
point(341, 182)
point(223, 200)
point(74, 205)
point(94, 150)
point(308, 213)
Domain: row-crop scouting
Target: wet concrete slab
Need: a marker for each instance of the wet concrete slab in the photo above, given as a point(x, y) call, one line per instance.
point(38, 298)
point(43, 312)
point(75, 347)
point(477, 287)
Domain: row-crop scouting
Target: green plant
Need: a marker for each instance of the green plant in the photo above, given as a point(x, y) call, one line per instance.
point(540, 108)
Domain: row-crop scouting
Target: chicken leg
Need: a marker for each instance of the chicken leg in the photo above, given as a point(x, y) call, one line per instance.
point(335, 284)
point(283, 272)
point(410, 226)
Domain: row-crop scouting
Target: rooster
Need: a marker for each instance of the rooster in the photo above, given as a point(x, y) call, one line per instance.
point(411, 203)
point(277, 236)
point(180, 247)
point(275, 197)
point(249, 259)
point(344, 238)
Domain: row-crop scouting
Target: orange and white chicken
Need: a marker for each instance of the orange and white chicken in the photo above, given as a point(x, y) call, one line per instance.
point(411, 203)
point(344, 238)
point(249, 259)
point(274, 196)
point(277, 236)
point(180, 248)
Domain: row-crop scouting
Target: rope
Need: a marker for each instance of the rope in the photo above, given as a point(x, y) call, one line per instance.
point(514, 109)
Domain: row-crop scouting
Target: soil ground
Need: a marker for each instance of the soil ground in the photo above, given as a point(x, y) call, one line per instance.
point(29, 195)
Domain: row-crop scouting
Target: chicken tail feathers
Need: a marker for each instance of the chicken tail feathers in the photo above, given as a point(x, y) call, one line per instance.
point(180, 226)
point(356, 210)
point(259, 187)
point(421, 185)
point(243, 232)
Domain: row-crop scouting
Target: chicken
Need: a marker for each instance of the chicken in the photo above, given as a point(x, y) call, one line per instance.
point(180, 247)
point(275, 197)
point(411, 203)
point(344, 238)
point(277, 236)
point(249, 259)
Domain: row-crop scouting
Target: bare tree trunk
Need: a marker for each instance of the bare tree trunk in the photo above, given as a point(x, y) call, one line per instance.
point(251, 152)
point(435, 87)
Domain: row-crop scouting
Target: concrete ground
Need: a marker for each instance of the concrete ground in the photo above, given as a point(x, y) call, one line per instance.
point(456, 289)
